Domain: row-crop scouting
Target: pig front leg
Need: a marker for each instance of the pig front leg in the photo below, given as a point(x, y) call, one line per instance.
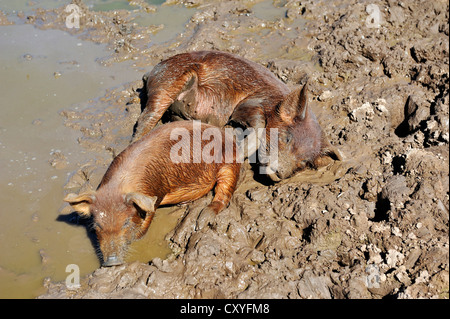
point(249, 115)
point(227, 179)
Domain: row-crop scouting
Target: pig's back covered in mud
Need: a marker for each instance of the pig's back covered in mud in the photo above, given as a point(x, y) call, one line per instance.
point(225, 80)
point(244, 74)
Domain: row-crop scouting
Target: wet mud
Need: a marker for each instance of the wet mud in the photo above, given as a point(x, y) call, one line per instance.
point(372, 226)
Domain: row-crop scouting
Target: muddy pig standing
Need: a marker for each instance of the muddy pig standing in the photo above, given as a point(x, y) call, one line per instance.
point(151, 172)
point(220, 88)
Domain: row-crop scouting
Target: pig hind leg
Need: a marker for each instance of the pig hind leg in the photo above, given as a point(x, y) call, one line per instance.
point(161, 95)
point(227, 179)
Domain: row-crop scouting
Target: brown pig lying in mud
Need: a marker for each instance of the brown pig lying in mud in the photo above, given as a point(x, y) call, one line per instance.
point(151, 172)
point(221, 88)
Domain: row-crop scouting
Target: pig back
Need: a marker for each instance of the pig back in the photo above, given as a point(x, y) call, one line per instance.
point(177, 162)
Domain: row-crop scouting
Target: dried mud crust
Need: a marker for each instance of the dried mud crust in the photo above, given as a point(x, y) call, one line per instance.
point(372, 226)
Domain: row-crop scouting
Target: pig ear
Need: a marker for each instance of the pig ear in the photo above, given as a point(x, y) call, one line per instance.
point(146, 203)
point(81, 203)
point(294, 105)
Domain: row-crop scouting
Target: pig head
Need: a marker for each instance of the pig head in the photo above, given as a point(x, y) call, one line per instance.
point(117, 220)
point(301, 141)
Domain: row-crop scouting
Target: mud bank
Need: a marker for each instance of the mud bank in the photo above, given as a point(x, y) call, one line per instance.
point(372, 226)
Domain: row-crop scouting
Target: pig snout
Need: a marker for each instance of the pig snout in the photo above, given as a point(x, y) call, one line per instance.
point(112, 251)
point(112, 260)
point(283, 169)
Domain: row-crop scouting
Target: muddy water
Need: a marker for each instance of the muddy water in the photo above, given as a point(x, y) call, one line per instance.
point(41, 73)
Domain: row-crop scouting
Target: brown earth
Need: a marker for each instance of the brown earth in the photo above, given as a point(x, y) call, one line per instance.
point(372, 226)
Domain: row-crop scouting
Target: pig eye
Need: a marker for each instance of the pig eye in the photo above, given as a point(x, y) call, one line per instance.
point(286, 137)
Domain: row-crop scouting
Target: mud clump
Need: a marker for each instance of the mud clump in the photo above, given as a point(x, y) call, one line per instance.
point(372, 226)
point(4, 20)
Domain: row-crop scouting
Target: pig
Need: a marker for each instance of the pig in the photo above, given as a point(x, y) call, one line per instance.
point(149, 173)
point(220, 88)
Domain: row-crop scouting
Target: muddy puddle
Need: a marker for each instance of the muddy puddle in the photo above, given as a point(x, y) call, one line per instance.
point(43, 72)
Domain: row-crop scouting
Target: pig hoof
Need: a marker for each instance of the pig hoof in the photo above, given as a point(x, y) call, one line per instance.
point(206, 217)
